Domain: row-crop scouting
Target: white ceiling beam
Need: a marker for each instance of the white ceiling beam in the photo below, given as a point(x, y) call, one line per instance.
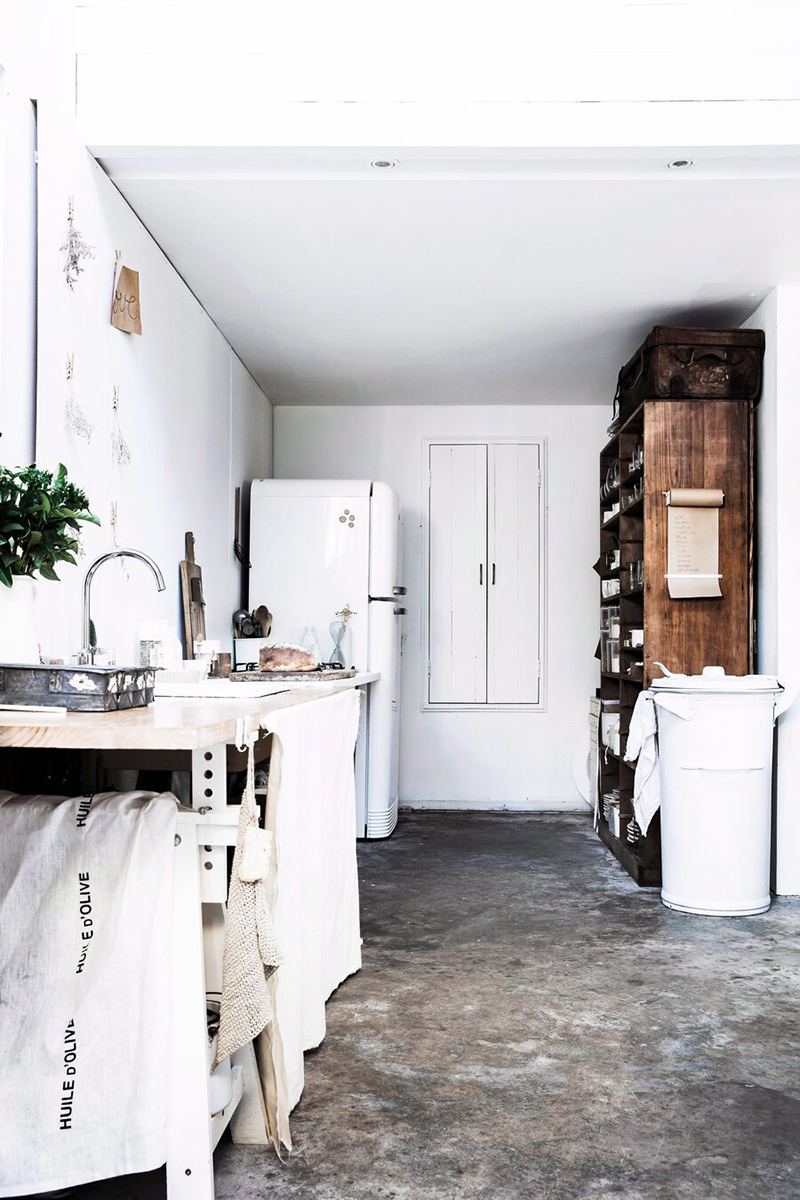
point(440, 78)
point(109, 125)
point(753, 26)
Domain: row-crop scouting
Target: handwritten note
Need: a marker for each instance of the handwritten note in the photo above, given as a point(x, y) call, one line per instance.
point(126, 313)
point(693, 543)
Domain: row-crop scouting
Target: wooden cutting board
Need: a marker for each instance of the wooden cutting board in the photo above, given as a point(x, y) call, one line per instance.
point(294, 676)
point(194, 605)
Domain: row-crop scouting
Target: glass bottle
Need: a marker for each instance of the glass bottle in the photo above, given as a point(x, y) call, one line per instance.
point(309, 641)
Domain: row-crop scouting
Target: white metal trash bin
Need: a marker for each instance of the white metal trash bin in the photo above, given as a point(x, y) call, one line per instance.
point(715, 762)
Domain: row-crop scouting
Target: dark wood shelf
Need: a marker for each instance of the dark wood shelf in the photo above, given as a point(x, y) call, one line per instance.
point(634, 421)
point(631, 477)
point(691, 443)
point(632, 858)
point(642, 862)
point(617, 757)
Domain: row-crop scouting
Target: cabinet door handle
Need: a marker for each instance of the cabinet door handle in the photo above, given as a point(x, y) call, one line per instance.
point(480, 575)
point(492, 574)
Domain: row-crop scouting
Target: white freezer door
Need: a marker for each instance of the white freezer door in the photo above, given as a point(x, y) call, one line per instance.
point(384, 537)
point(310, 557)
point(457, 574)
point(514, 583)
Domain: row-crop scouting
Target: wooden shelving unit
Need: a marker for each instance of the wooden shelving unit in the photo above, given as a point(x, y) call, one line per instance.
point(693, 444)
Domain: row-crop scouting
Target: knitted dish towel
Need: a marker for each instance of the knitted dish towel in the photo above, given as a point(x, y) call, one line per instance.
point(251, 951)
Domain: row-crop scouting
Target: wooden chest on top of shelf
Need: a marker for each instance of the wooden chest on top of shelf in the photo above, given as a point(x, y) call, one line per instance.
point(692, 364)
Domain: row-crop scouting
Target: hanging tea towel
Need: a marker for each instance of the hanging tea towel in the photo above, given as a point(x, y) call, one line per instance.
point(86, 968)
point(642, 745)
point(251, 951)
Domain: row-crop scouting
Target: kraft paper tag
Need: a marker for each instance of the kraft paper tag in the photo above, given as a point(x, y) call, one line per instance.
point(126, 311)
point(693, 543)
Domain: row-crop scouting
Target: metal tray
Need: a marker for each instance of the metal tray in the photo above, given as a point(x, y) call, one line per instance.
point(78, 689)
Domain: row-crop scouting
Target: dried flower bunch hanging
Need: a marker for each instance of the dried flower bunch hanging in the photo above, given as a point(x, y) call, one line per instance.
point(77, 421)
point(120, 450)
point(75, 249)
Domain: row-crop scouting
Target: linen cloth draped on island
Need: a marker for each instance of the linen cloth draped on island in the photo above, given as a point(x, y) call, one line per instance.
point(313, 891)
point(85, 951)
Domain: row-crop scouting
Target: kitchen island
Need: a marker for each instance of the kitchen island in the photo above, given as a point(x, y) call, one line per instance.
point(166, 724)
point(204, 730)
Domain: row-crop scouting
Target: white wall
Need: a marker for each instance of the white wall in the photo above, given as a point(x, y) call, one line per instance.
point(195, 421)
point(17, 270)
point(470, 759)
point(778, 573)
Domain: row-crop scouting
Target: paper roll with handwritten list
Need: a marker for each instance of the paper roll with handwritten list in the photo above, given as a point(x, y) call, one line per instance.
point(693, 543)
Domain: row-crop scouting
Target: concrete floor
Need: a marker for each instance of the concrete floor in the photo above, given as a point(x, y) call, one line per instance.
point(529, 1024)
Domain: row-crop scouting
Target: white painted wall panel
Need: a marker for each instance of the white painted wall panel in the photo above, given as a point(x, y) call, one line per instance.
point(457, 575)
point(484, 758)
point(514, 577)
point(777, 508)
point(194, 419)
point(17, 270)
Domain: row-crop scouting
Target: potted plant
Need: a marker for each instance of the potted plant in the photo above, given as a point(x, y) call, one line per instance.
point(40, 520)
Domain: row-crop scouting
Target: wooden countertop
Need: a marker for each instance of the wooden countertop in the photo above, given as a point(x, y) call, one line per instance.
point(166, 724)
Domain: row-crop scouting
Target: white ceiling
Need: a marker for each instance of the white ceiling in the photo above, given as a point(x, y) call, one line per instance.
point(442, 282)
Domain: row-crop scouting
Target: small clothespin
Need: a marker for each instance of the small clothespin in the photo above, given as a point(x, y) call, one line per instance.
point(70, 367)
point(70, 208)
point(115, 400)
point(245, 736)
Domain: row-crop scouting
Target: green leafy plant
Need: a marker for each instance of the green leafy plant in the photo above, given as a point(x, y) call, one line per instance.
point(40, 516)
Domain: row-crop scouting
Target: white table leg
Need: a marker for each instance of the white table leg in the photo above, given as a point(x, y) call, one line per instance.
point(190, 1166)
point(210, 794)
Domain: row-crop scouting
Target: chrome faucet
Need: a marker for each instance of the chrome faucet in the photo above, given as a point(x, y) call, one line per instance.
point(86, 654)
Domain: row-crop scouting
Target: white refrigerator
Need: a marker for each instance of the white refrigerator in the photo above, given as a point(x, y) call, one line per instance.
point(318, 546)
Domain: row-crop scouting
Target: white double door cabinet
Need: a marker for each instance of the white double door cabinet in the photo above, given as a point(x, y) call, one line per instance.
point(484, 574)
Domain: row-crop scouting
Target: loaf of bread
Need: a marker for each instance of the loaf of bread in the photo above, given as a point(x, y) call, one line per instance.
point(286, 658)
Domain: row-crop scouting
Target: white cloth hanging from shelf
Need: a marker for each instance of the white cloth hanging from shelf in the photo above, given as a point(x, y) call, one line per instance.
point(642, 746)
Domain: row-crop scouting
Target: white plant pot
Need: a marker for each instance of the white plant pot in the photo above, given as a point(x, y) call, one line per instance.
point(18, 640)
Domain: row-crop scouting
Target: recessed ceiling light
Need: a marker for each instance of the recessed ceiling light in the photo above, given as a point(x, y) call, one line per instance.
point(680, 164)
point(384, 164)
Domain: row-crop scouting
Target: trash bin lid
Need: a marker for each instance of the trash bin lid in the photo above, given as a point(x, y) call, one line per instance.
point(715, 680)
